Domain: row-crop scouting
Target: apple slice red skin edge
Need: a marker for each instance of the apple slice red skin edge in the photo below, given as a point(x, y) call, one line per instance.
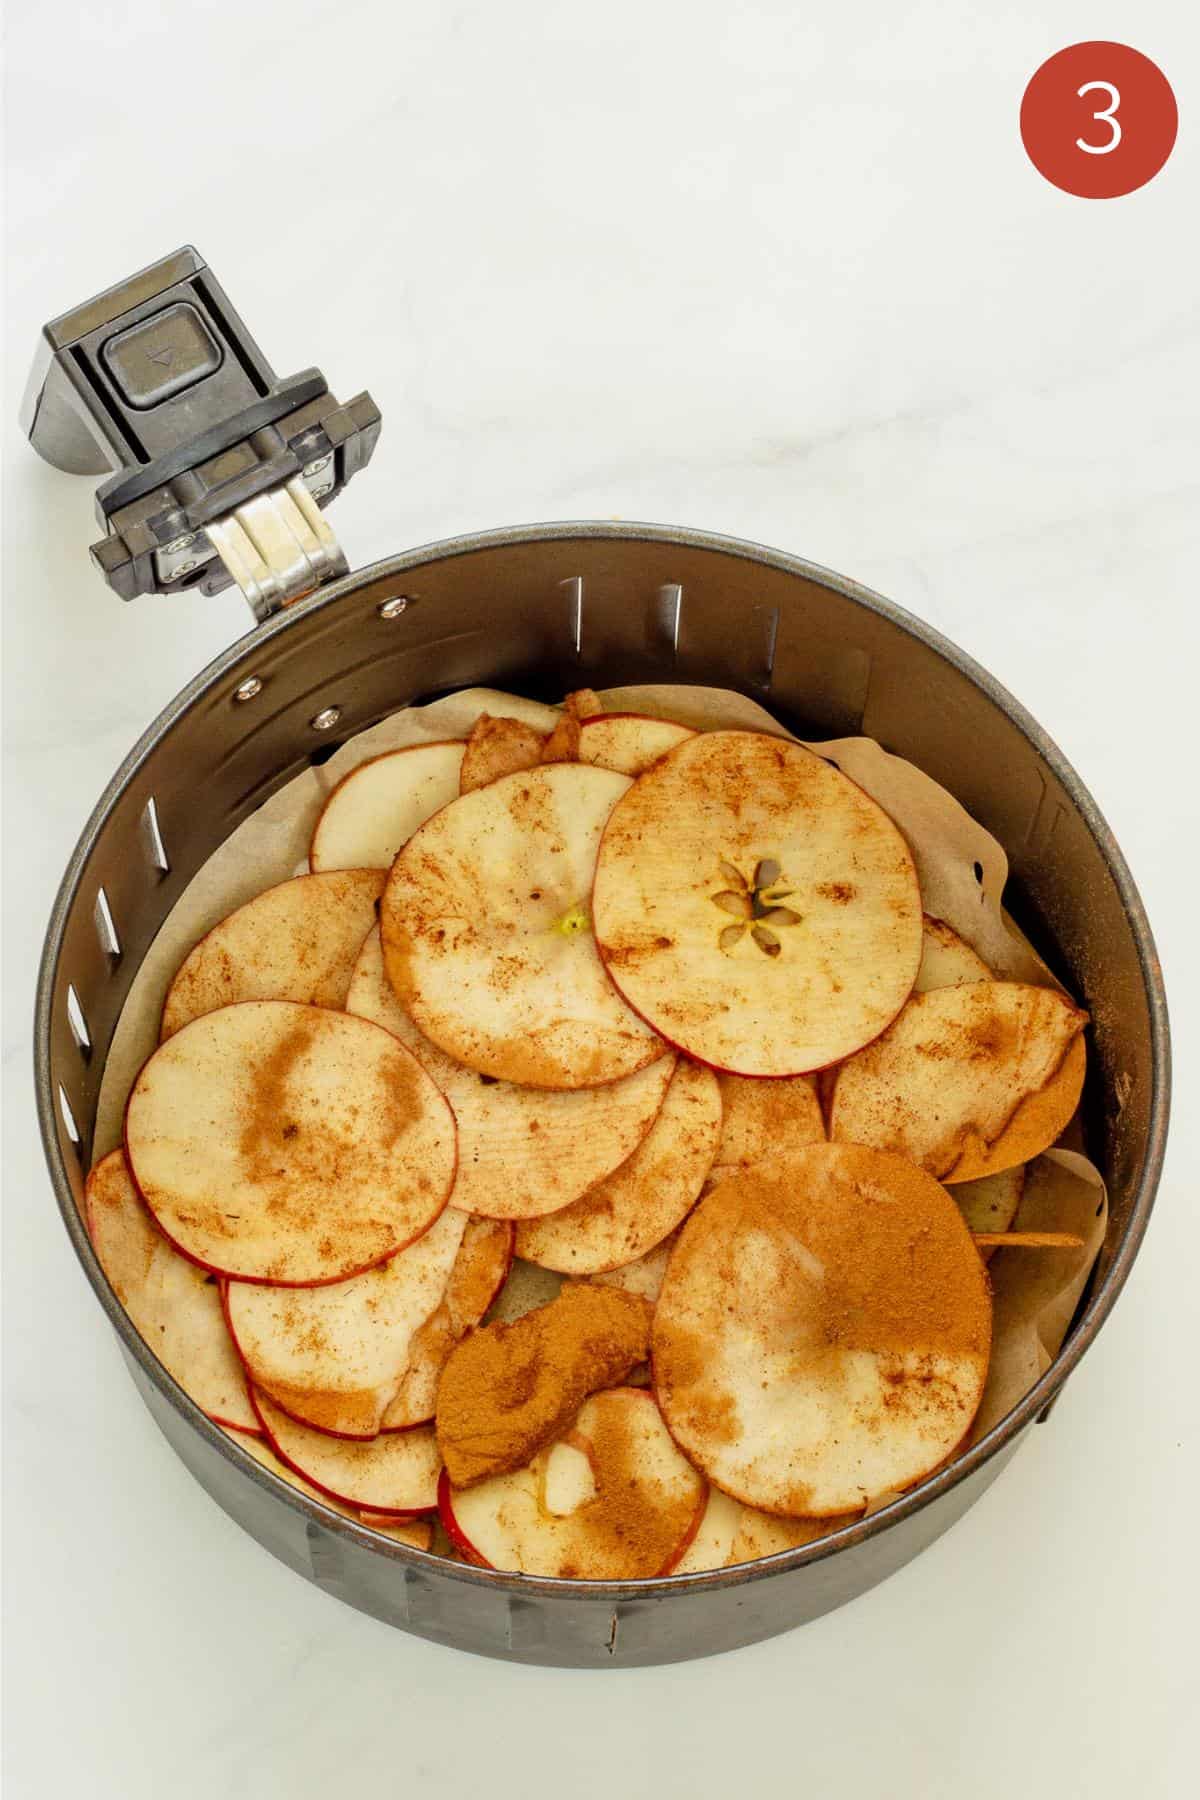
point(451, 1527)
point(433, 744)
point(392, 1512)
point(445, 1508)
point(225, 1424)
point(719, 1068)
point(858, 1514)
point(415, 1424)
point(746, 1075)
point(203, 939)
point(349, 1437)
point(261, 1280)
point(255, 1431)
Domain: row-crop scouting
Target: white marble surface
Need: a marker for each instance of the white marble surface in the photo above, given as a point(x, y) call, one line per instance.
point(776, 271)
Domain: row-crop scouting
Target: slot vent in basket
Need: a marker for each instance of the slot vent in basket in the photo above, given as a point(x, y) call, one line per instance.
point(574, 592)
point(106, 929)
point(68, 1119)
point(152, 838)
point(77, 1020)
point(668, 611)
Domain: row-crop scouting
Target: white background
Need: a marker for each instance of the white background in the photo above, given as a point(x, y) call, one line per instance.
point(778, 271)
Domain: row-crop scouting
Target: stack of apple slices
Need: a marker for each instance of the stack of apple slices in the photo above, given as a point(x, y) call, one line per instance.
point(657, 1010)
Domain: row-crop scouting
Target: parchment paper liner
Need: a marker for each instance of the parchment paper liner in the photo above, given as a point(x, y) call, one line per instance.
point(962, 871)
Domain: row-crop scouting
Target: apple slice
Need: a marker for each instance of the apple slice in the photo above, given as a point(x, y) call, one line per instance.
point(418, 1533)
point(762, 1534)
point(334, 1356)
point(823, 1331)
point(715, 1534)
point(480, 1271)
point(377, 807)
point(510, 1389)
point(630, 743)
point(496, 747)
point(946, 959)
point(522, 1151)
point(563, 743)
point(755, 906)
point(174, 1305)
point(764, 1118)
point(638, 1521)
point(487, 936)
point(394, 1473)
point(633, 1209)
point(298, 941)
point(287, 1144)
point(645, 1276)
point(968, 1081)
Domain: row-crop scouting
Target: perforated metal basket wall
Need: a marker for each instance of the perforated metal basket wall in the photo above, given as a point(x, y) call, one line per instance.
point(542, 610)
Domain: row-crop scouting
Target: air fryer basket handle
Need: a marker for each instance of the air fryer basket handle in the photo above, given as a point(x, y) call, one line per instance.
point(219, 470)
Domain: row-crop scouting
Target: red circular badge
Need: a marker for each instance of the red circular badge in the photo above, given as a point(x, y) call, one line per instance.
point(1099, 120)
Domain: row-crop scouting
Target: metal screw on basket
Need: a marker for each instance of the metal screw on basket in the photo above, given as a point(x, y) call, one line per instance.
point(326, 487)
point(180, 543)
point(326, 719)
point(248, 689)
point(314, 468)
point(391, 609)
point(185, 568)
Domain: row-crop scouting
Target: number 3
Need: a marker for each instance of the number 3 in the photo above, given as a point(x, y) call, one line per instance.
point(1108, 115)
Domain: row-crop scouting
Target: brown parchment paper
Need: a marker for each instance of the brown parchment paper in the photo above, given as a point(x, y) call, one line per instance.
point(962, 870)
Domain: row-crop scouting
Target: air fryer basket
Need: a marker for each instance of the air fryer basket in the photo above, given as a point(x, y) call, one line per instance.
point(542, 610)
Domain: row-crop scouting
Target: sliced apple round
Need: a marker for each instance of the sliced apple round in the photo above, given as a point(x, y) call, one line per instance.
point(755, 906)
point(496, 747)
point(522, 1151)
point(764, 1118)
point(612, 1500)
point(762, 1534)
point(731, 1533)
point(645, 1276)
point(562, 745)
point(946, 959)
point(822, 1335)
point(480, 1271)
point(417, 1533)
point(288, 1144)
point(174, 1305)
point(630, 743)
point(415, 1530)
point(377, 807)
point(334, 1356)
point(487, 934)
point(298, 941)
point(633, 1209)
point(508, 1390)
point(394, 1473)
point(715, 1534)
point(968, 1081)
